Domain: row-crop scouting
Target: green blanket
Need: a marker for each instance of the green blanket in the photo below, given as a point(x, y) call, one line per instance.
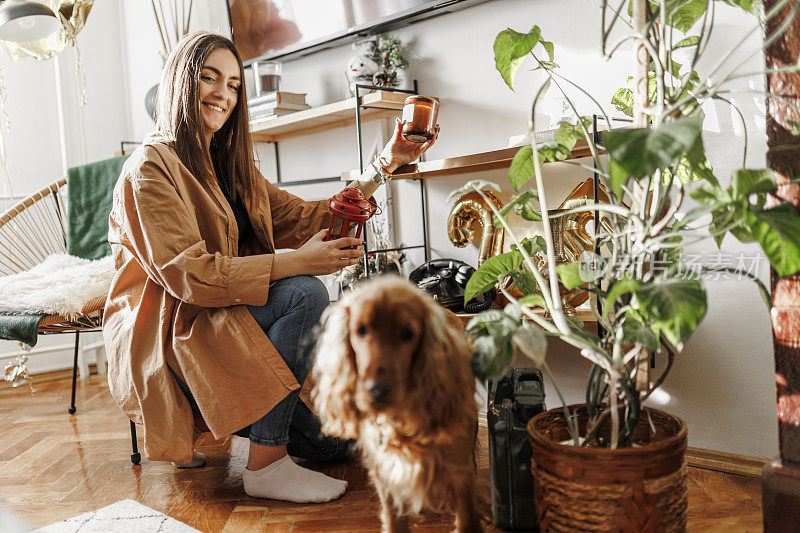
point(20, 328)
point(90, 189)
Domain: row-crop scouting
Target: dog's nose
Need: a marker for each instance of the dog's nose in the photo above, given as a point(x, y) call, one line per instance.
point(378, 391)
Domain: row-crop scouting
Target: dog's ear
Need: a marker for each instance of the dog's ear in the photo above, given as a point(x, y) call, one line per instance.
point(335, 374)
point(441, 378)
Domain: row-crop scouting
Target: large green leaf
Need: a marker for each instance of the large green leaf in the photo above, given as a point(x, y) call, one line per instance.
point(681, 14)
point(521, 170)
point(477, 324)
point(570, 274)
point(521, 205)
point(634, 330)
point(623, 97)
point(674, 305)
point(488, 273)
point(746, 182)
point(530, 341)
point(510, 49)
point(617, 176)
point(778, 232)
point(492, 349)
point(532, 245)
point(552, 151)
point(732, 217)
point(532, 300)
point(548, 46)
point(620, 287)
point(487, 360)
point(642, 151)
point(701, 169)
point(567, 135)
point(524, 281)
point(692, 40)
point(623, 101)
point(710, 195)
point(686, 14)
point(729, 207)
point(751, 6)
point(559, 149)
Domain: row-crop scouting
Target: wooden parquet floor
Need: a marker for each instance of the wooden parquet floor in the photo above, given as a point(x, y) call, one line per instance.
point(54, 466)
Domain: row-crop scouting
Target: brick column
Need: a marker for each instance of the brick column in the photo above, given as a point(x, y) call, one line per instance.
point(781, 478)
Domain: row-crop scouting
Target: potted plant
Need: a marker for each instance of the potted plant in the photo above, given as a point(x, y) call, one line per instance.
point(612, 464)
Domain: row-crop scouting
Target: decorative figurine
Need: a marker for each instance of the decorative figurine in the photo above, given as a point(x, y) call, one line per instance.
point(362, 67)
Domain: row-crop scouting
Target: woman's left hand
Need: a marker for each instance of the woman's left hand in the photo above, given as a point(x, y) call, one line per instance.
point(399, 151)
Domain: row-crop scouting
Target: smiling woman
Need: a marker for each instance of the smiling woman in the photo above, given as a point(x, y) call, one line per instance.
point(220, 80)
point(204, 321)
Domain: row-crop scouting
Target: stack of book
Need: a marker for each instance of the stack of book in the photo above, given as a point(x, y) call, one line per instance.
point(275, 104)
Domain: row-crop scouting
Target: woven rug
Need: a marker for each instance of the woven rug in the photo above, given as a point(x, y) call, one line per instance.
point(127, 516)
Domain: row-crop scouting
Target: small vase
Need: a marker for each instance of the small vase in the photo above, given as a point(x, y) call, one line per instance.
point(151, 101)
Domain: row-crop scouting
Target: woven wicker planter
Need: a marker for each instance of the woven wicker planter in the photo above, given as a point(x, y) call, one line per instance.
point(638, 489)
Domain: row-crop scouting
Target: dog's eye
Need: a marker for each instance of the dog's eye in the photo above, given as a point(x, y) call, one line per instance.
point(361, 331)
point(406, 335)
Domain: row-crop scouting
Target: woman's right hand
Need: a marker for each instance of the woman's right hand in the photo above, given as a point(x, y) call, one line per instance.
point(317, 257)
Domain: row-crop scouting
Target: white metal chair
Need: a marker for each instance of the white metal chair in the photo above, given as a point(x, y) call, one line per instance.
point(31, 231)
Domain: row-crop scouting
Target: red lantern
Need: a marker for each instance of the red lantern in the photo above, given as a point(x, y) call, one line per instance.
point(348, 207)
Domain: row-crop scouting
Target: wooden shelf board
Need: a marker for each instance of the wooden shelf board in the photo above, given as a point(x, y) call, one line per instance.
point(496, 159)
point(584, 315)
point(328, 116)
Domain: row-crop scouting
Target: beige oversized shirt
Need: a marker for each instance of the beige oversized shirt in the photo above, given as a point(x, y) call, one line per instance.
point(178, 296)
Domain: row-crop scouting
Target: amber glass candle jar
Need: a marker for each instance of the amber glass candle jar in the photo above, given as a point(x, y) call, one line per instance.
point(419, 115)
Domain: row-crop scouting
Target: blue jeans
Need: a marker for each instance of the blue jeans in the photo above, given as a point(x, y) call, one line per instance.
point(294, 306)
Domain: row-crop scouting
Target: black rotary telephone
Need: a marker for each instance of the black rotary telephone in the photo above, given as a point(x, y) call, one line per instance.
point(446, 280)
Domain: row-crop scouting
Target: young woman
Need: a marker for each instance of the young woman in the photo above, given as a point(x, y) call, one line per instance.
point(204, 320)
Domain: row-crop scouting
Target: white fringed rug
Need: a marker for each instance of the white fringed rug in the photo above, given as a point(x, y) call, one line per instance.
point(127, 516)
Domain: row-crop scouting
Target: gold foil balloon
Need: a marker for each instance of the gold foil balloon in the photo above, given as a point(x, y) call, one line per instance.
point(571, 235)
point(471, 216)
point(577, 238)
point(71, 13)
point(16, 372)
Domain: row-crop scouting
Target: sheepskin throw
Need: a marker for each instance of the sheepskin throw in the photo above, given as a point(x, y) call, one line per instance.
point(62, 284)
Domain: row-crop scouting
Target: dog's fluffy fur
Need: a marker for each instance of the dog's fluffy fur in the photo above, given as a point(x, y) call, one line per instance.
point(393, 373)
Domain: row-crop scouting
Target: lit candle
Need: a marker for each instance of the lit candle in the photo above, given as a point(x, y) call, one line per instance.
point(419, 115)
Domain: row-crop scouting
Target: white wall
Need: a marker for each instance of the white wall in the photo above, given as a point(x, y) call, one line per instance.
point(119, 48)
point(92, 132)
point(722, 384)
point(142, 53)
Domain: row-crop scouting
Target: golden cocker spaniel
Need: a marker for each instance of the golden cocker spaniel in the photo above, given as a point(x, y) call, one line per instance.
point(393, 372)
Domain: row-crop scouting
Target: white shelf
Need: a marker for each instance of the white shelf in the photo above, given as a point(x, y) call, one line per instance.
point(375, 105)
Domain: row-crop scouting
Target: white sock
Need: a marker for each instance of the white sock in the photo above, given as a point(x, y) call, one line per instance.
point(285, 480)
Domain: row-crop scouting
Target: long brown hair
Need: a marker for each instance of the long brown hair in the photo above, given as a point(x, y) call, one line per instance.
point(179, 119)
